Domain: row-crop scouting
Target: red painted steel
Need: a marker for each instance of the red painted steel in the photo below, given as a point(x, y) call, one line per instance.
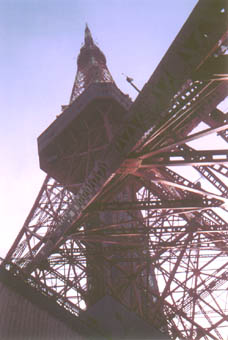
point(164, 262)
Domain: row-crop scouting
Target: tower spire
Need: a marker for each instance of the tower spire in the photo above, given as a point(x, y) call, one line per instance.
point(88, 36)
point(91, 66)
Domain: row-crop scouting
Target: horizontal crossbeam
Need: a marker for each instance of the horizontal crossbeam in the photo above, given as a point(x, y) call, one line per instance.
point(172, 146)
point(202, 157)
point(156, 204)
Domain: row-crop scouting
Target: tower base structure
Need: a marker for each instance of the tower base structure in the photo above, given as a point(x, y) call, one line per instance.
point(28, 314)
point(118, 323)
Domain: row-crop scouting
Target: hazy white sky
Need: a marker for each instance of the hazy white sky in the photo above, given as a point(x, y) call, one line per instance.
point(40, 40)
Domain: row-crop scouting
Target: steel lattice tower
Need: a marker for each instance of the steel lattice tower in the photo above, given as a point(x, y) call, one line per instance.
point(115, 215)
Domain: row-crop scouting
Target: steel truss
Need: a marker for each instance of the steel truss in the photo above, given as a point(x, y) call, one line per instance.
point(152, 238)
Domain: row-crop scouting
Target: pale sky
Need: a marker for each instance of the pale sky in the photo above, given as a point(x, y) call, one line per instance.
point(40, 40)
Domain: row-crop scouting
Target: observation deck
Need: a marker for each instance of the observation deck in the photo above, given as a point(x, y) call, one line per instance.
point(69, 147)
